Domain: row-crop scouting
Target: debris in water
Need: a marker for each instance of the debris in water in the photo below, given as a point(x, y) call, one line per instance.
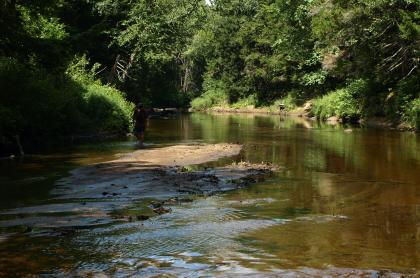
point(162, 210)
point(142, 217)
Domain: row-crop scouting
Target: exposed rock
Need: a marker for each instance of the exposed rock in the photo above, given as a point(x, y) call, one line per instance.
point(181, 155)
point(142, 217)
point(333, 120)
point(162, 210)
point(104, 188)
point(307, 107)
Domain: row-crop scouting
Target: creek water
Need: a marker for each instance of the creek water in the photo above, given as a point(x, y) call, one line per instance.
point(343, 202)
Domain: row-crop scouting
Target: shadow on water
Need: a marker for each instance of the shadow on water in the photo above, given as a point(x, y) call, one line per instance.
point(29, 180)
point(344, 200)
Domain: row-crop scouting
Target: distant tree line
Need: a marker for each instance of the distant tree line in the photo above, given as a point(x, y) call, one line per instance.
point(356, 58)
point(76, 66)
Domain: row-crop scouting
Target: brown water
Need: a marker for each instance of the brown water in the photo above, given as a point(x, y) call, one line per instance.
point(343, 203)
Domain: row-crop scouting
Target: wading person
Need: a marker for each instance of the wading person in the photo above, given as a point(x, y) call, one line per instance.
point(140, 123)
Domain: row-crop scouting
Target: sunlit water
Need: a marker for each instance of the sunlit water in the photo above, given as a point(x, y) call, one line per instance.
point(343, 202)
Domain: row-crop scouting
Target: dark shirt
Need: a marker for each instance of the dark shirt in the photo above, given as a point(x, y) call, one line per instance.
point(140, 118)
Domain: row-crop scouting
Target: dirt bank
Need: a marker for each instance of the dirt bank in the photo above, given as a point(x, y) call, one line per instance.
point(93, 194)
point(301, 111)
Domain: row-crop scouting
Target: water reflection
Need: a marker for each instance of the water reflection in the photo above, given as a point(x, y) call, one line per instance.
point(341, 199)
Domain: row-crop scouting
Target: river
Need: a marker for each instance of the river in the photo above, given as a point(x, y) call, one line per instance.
point(345, 200)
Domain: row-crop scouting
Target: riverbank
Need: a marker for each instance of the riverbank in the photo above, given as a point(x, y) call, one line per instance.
point(360, 101)
point(306, 111)
point(40, 109)
point(298, 111)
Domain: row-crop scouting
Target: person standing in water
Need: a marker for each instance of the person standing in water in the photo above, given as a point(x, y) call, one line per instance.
point(140, 123)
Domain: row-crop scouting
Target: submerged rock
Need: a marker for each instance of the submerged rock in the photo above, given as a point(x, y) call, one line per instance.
point(142, 217)
point(162, 210)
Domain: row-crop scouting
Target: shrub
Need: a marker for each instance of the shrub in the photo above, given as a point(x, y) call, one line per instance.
point(214, 95)
point(43, 107)
point(208, 99)
point(105, 106)
point(345, 103)
point(249, 101)
point(411, 114)
point(107, 109)
point(288, 101)
point(32, 98)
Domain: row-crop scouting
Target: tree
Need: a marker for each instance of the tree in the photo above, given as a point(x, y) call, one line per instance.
point(157, 34)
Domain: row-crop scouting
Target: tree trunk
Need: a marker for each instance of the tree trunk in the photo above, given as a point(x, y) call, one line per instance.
point(113, 70)
point(19, 145)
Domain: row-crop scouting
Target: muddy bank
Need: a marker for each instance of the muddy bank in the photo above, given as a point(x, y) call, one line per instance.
point(95, 194)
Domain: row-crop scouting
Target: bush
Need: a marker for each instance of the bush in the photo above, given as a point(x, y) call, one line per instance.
point(44, 107)
point(411, 114)
point(29, 100)
point(106, 107)
point(345, 103)
point(288, 101)
point(208, 100)
point(214, 95)
point(249, 101)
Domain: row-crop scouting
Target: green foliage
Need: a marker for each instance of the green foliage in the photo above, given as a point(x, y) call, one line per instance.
point(288, 102)
point(345, 103)
point(411, 113)
point(107, 109)
point(407, 101)
point(409, 27)
point(374, 38)
point(40, 26)
point(157, 34)
point(248, 102)
point(77, 69)
point(314, 78)
point(105, 106)
point(42, 98)
point(41, 106)
point(214, 96)
point(269, 48)
point(261, 48)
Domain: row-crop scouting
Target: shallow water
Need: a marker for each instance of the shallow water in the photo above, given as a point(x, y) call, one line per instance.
point(343, 202)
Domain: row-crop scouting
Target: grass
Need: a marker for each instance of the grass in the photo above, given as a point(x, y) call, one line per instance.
point(288, 102)
point(345, 103)
point(208, 100)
